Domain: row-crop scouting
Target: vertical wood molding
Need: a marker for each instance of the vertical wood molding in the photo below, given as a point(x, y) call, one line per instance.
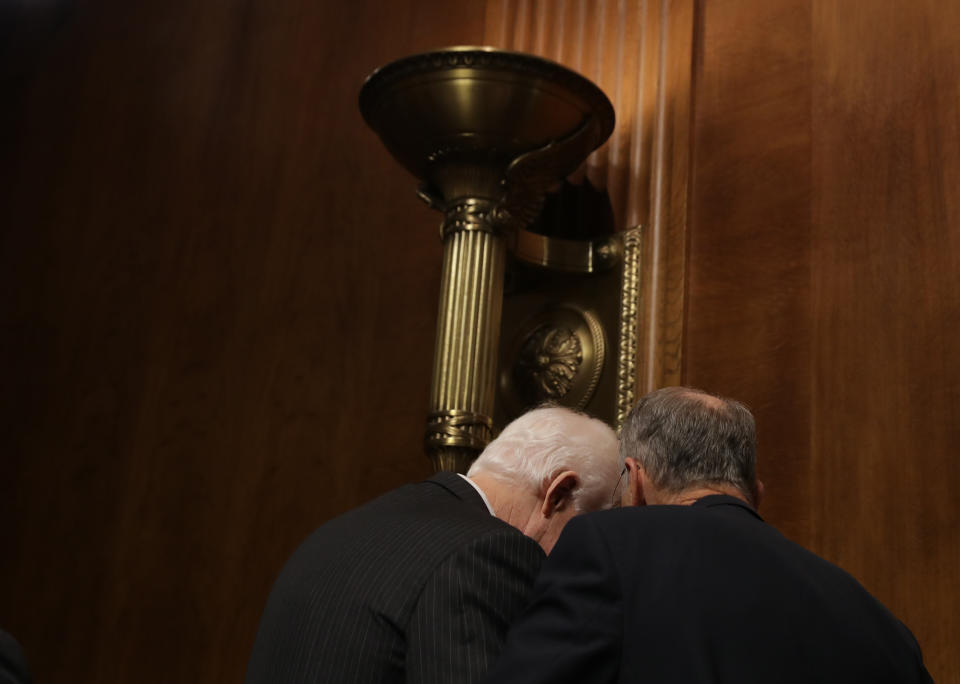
point(663, 298)
point(640, 53)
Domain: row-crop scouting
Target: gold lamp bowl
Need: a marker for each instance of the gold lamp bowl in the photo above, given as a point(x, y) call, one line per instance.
point(488, 133)
point(480, 107)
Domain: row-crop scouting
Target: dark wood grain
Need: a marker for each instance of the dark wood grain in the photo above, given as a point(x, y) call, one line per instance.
point(219, 296)
point(824, 280)
point(885, 290)
point(749, 327)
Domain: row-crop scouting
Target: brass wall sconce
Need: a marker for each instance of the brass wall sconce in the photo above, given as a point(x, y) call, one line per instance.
point(489, 133)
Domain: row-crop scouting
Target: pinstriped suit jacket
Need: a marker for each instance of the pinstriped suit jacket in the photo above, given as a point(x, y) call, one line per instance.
point(418, 585)
point(13, 666)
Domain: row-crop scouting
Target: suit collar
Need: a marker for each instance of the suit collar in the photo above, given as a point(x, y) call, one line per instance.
point(460, 488)
point(724, 500)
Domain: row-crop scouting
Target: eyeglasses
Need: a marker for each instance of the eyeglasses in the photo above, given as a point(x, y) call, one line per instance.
point(615, 499)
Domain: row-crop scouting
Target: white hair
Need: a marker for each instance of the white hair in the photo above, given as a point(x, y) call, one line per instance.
point(541, 444)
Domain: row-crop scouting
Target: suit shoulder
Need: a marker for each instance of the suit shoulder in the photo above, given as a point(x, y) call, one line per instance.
point(494, 540)
point(508, 536)
point(668, 525)
point(507, 555)
point(634, 517)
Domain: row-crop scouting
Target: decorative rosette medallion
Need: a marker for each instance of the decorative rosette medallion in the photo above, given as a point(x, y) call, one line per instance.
point(556, 357)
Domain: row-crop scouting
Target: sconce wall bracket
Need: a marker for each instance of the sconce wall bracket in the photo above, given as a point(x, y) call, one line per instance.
point(488, 133)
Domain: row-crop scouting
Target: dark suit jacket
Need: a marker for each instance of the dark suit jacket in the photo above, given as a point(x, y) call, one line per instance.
point(418, 585)
point(701, 593)
point(13, 666)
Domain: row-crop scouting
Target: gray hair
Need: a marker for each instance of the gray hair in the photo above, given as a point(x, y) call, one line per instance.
point(541, 444)
point(686, 438)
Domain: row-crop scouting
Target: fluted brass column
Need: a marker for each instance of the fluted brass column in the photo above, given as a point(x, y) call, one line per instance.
point(460, 422)
point(488, 133)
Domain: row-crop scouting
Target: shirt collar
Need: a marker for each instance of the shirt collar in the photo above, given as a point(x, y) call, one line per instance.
point(480, 492)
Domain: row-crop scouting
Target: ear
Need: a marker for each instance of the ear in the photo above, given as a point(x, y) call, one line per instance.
point(638, 484)
point(759, 490)
point(559, 492)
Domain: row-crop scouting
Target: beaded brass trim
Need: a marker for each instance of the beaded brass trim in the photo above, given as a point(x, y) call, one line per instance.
point(629, 317)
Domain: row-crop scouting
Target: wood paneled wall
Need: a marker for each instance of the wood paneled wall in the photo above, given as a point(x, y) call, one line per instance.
point(824, 280)
point(218, 305)
point(218, 295)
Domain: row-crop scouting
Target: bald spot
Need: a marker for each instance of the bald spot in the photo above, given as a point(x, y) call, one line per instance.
point(707, 399)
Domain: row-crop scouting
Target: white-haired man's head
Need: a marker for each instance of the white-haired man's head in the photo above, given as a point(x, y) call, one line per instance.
point(546, 466)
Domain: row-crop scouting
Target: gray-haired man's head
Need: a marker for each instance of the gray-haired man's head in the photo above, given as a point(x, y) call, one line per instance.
point(686, 439)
